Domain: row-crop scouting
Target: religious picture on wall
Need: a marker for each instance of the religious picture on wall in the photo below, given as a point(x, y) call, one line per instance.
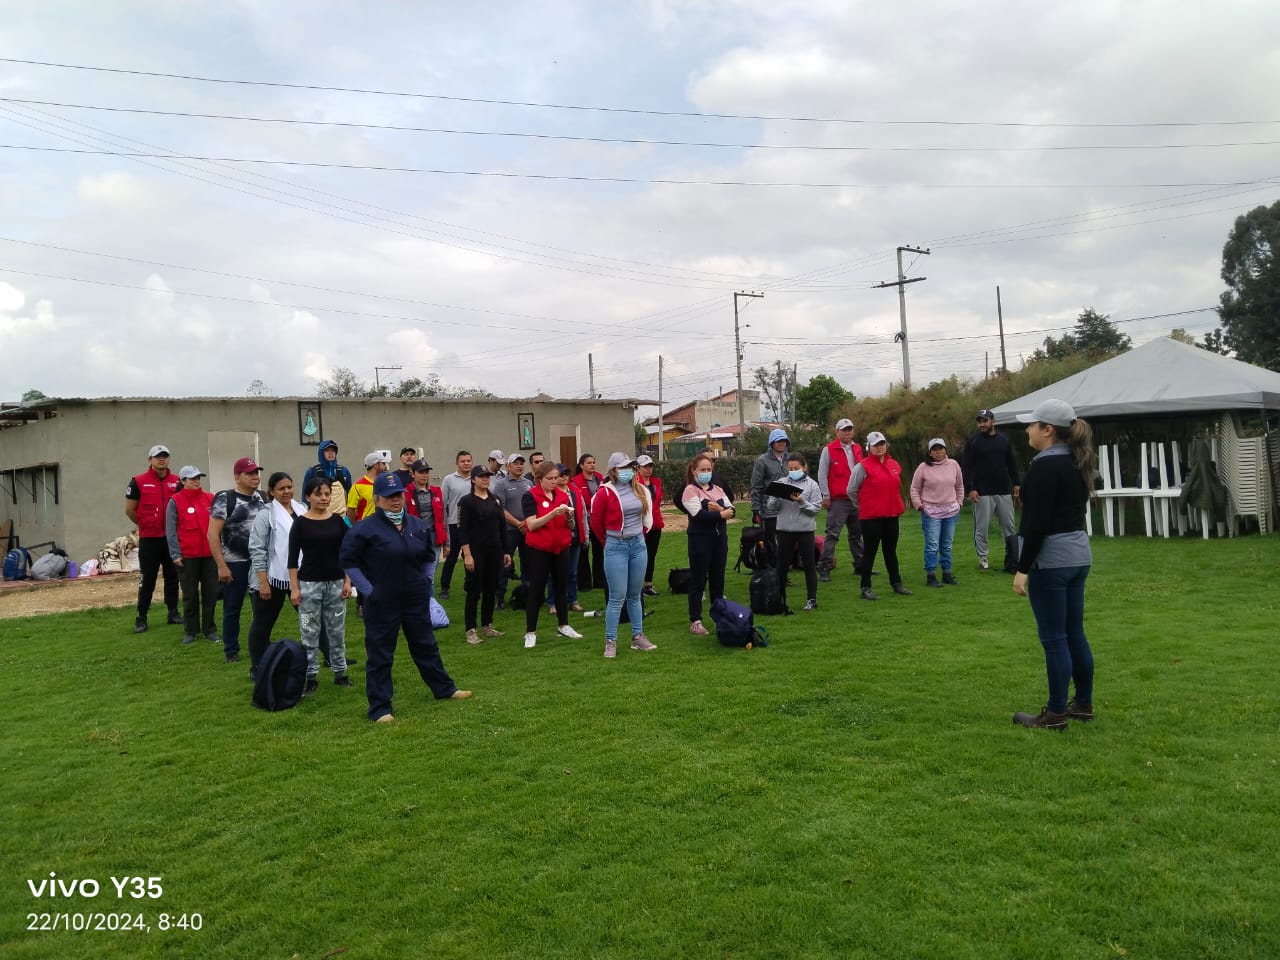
point(525, 421)
point(309, 423)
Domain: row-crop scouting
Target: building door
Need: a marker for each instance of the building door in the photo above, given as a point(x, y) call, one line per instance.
point(568, 451)
point(566, 437)
point(225, 448)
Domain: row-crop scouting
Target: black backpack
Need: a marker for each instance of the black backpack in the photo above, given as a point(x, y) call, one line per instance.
point(754, 550)
point(678, 580)
point(766, 593)
point(281, 676)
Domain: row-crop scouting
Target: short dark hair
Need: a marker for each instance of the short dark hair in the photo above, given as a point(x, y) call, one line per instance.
point(460, 454)
point(404, 450)
point(314, 484)
point(797, 457)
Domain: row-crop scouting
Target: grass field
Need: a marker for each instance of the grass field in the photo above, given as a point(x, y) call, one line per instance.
point(855, 790)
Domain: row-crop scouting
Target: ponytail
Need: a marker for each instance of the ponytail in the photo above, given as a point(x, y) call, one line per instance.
point(1080, 441)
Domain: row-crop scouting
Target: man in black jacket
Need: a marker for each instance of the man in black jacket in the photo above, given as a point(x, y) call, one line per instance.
point(991, 480)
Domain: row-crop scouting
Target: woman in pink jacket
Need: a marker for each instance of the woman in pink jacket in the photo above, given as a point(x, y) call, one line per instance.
point(937, 491)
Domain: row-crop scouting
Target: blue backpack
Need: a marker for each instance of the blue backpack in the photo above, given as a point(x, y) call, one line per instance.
point(735, 625)
point(16, 563)
point(281, 676)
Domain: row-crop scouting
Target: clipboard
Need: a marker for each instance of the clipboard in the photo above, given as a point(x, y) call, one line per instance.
point(781, 489)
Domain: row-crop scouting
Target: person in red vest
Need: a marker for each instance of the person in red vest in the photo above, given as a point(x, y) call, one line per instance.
point(186, 528)
point(838, 459)
point(876, 486)
point(588, 480)
point(644, 464)
point(427, 504)
point(550, 528)
point(145, 502)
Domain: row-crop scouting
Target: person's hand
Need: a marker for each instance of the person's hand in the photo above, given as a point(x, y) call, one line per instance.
point(346, 591)
point(224, 573)
point(178, 563)
point(826, 503)
point(1020, 584)
point(522, 527)
point(973, 496)
point(506, 559)
point(797, 497)
point(265, 592)
point(755, 518)
point(295, 597)
point(444, 551)
point(468, 563)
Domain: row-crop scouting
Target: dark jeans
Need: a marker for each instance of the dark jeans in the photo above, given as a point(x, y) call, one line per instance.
point(232, 602)
point(382, 628)
point(455, 554)
point(481, 585)
point(1057, 600)
point(651, 541)
point(788, 542)
point(842, 514)
point(153, 557)
point(538, 565)
point(877, 532)
point(708, 554)
point(515, 547)
point(265, 614)
point(199, 594)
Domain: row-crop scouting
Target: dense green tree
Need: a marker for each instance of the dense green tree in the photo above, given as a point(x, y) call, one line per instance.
point(1250, 307)
point(343, 382)
point(33, 394)
point(1093, 334)
point(818, 399)
point(1213, 343)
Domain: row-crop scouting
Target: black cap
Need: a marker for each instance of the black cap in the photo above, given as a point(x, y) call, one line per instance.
point(404, 450)
point(419, 466)
point(480, 470)
point(986, 415)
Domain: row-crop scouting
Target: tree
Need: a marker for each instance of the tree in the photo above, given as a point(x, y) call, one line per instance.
point(1094, 334)
point(1250, 307)
point(1213, 343)
point(818, 399)
point(1180, 334)
point(342, 382)
point(257, 388)
point(778, 386)
point(32, 395)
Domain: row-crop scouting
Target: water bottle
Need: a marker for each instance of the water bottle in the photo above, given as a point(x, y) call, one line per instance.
point(73, 570)
point(593, 613)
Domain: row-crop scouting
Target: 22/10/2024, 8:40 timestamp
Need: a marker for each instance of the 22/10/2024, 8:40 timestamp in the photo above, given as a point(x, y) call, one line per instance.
point(113, 922)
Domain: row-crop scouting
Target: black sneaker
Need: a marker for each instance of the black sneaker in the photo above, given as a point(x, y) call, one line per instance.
point(140, 625)
point(233, 658)
point(901, 589)
point(932, 581)
point(188, 638)
point(175, 618)
point(212, 636)
point(342, 680)
point(444, 594)
point(949, 578)
point(312, 686)
point(649, 592)
point(824, 575)
point(811, 605)
point(869, 594)
point(352, 661)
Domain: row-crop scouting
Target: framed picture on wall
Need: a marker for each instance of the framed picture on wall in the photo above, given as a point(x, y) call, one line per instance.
point(309, 431)
point(524, 428)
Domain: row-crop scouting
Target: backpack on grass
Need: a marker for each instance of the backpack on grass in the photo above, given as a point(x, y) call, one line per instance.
point(735, 625)
point(754, 550)
point(678, 580)
point(282, 674)
point(766, 593)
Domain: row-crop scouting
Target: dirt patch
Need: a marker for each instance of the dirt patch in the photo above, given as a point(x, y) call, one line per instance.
point(29, 599)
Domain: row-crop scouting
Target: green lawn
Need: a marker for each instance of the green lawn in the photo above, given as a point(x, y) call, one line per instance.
point(855, 790)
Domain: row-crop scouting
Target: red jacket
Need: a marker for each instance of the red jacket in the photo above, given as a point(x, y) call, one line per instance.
point(880, 494)
point(437, 511)
point(555, 536)
point(154, 494)
point(606, 513)
point(579, 480)
point(655, 491)
point(580, 513)
point(193, 522)
point(838, 471)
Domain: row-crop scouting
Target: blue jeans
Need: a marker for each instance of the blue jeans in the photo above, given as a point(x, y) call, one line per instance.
point(1057, 600)
point(233, 595)
point(624, 563)
point(939, 535)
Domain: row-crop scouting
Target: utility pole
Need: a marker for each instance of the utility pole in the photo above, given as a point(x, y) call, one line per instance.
point(795, 368)
point(901, 284)
point(737, 352)
point(591, 376)
point(1004, 363)
point(662, 433)
point(377, 384)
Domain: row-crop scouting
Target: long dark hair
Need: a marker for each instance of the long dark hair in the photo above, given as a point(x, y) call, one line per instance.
point(1079, 438)
point(578, 469)
point(276, 478)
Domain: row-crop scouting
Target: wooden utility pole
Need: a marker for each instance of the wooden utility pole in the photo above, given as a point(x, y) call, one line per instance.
point(737, 351)
point(901, 284)
point(1004, 362)
point(591, 376)
point(662, 433)
point(377, 384)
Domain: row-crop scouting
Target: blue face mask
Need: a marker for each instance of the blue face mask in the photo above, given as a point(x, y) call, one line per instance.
point(703, 477)
point(397, 517)
point(626, 475)
point(795, 474)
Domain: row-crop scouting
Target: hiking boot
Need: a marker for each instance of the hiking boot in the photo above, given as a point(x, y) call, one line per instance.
point(1044, 720)
point(233, 658)
point(188, 638)
point(175, 618)
point(569, 632)
point(140, 625)
point(811, 604)
point(640, 642)
point(900, 589)
point(932, 580)
point(983, 564)
point(648, 591)
point(610, 649)
point(488, 630)
point(474, 638)
point(869, 594)
point(824, 574)
point(311, 687)
point(212, 636)
point(530, 641)
point(697, 629)
point(342, 680)
point(949, 578)
point(1079, 711)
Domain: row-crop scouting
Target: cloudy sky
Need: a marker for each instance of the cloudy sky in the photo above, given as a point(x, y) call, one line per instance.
point(599, 178)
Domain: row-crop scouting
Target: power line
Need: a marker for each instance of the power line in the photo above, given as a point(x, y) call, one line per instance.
point(627, 110)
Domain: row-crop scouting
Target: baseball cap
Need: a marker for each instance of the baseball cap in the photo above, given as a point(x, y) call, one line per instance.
point(514, 457)
point(420, 465)
point(245, 465)
point(937, 442)
point(377, 456)
point(561, 468)
point(874, 437)
point(497, 455)
point(480, 470)
point(387, 485)
point(159, 450)
point(404, 450)
point(644, 460)
point(188, 473)
point(620, 459)
point(844, 423)
point(986, 415)
point(1057, 412)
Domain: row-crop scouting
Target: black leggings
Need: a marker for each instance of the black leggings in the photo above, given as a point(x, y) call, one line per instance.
point(481, 584)
point(265, 614)
point(455, 554)
point(708, 556)
point(538, 565)
point(651, 541)
point(882, 530)
point(788, 542)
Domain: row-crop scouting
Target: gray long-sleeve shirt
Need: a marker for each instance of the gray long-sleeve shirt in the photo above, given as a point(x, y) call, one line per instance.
point(798, 517)
point(453, 488)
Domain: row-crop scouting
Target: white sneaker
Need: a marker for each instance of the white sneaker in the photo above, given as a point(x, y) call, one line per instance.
point(568, 631)
point(530, 640)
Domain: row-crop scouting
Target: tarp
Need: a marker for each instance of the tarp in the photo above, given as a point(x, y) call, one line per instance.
point(1158, 378)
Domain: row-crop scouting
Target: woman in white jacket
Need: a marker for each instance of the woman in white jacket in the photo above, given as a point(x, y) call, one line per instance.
point(797, 523)
point(269, 562)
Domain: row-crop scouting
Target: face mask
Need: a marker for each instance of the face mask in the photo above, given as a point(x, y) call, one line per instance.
point(795, 474)
point(703, 477)
point(626, 475)
point(397, 517)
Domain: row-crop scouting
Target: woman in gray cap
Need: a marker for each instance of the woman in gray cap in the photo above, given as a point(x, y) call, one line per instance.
point(1054, 559)
point(621, 514)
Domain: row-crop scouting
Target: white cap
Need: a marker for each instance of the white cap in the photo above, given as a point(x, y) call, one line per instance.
point(620, 459)
point(844, 423)
point(1059, 413)
point(874, 437)
point(644, 460)
point(190, 473)
point(377, 456)
point(937, 442)
point(497, 455)
point(513, 458)
point(159, 450)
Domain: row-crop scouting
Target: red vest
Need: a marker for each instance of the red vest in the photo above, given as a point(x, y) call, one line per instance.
point(193, 522)
point(838, 472)
point(555, 536)
point(154, 494)
point(880, 495)
point(655, 490)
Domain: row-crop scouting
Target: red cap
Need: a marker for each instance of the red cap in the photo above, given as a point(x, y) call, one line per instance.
point(245, 465)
